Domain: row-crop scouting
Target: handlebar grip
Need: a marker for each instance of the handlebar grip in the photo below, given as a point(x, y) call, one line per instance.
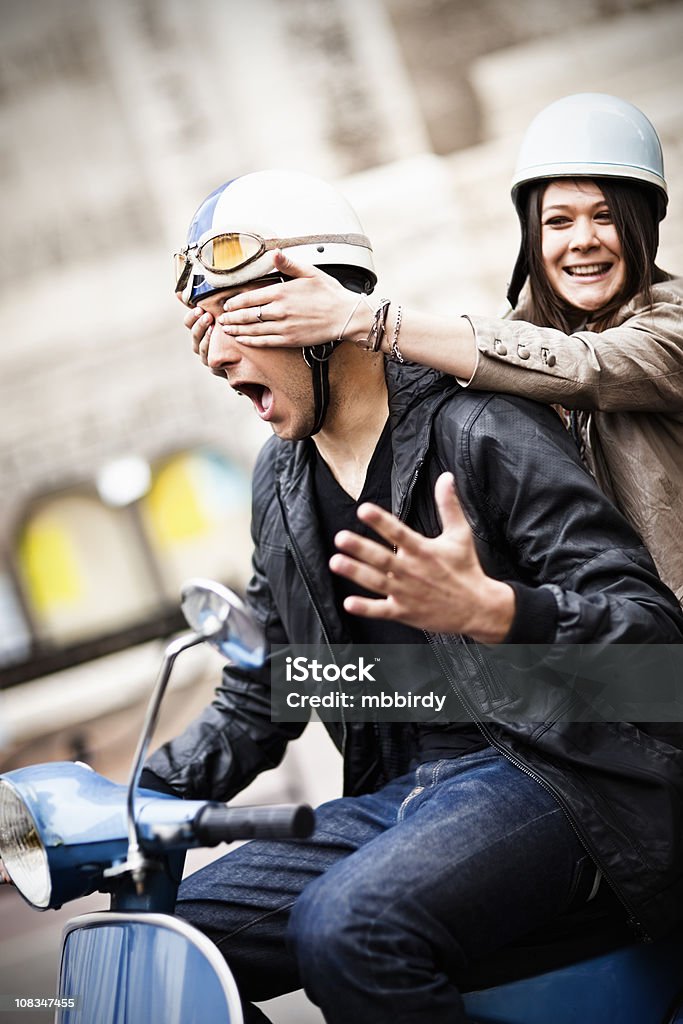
point(216, 823)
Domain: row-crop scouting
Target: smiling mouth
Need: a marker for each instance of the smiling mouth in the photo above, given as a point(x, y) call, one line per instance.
point(589, 270)
point(261, 397)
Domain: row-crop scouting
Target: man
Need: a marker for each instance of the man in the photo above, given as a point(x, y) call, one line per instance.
point(451, 839)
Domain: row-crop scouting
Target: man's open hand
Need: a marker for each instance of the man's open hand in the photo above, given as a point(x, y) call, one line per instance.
point(432, 583)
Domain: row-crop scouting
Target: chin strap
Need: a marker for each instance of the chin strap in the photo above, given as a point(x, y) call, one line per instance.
point(317, 357)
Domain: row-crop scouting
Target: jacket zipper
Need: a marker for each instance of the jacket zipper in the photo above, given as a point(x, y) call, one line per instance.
point(301, 569)
point(407, 501)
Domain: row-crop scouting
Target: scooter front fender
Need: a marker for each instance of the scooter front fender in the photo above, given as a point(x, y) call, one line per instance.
point(137, 968)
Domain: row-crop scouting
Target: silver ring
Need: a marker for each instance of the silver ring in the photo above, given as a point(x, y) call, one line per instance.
point(259, 315)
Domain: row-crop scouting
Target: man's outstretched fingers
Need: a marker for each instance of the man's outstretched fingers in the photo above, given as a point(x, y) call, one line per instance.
point(364, 575)
point(390, 528)
point(368, 608)
point(364, 550)
point(447, 503)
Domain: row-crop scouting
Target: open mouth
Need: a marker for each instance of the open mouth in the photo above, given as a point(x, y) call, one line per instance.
point(588, 270)
point(261, 397)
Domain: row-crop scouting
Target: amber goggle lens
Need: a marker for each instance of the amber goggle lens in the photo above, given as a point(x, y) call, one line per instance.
point(228, 252)
point(220, 254)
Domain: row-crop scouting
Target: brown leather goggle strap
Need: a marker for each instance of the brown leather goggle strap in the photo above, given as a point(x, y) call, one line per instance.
point(349, 239)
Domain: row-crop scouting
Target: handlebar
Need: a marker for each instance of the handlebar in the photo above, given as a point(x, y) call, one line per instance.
point(216, 823)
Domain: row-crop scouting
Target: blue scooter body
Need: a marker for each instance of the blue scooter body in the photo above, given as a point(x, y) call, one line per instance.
point(127, 968)
point(66, 831)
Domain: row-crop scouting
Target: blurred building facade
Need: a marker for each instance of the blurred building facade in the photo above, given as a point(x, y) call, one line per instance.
point(115, 119)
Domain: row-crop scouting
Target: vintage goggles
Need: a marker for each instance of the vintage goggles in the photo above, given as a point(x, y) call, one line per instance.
point(224, 253)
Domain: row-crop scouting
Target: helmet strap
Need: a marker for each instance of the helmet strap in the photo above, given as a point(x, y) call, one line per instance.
point(317, 357)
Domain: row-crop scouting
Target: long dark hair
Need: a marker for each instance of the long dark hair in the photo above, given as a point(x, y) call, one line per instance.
point(634, 214)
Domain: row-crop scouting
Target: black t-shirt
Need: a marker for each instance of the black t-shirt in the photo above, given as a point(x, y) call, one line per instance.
point(337, 511)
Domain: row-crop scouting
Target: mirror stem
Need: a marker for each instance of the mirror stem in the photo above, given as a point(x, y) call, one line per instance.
point(135, 861)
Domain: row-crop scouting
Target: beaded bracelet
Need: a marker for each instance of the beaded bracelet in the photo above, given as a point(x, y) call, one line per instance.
point(396, 353)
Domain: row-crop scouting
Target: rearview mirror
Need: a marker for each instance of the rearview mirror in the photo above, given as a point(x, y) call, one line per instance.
point(221, 618)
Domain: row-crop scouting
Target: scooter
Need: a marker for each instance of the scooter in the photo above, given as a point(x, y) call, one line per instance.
point(66, 831)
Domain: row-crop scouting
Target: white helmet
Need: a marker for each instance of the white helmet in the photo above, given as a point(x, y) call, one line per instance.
point(587, 135)
point(233, 235)
point(236, 229)
point(591, 135)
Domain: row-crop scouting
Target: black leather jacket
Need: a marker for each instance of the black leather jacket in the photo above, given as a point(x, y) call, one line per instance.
point(580, 574)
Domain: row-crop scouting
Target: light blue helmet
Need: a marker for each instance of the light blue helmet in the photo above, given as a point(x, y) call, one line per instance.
point(591, 135)
point(587, 135)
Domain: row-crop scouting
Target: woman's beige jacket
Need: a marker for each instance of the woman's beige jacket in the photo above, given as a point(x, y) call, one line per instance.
point(628, 383)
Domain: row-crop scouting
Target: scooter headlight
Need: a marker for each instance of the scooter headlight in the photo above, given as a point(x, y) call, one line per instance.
point(22, 850)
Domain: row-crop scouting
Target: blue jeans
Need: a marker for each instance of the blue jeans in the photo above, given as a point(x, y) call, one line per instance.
point(396, 891)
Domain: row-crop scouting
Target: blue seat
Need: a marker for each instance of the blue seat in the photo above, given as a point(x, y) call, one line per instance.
point(584, 969)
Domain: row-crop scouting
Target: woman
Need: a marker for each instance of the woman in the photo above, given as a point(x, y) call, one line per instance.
point(595, 326)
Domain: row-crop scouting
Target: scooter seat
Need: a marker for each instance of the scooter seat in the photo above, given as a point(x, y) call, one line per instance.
point(592, 930)
point(586, 968)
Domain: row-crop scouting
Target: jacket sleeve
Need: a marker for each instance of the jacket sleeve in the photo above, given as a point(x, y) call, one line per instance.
point(636, 366)
point(233, 739)
point(580, 573)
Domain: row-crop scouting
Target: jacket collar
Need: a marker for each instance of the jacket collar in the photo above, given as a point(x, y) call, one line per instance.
point(415, 395)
